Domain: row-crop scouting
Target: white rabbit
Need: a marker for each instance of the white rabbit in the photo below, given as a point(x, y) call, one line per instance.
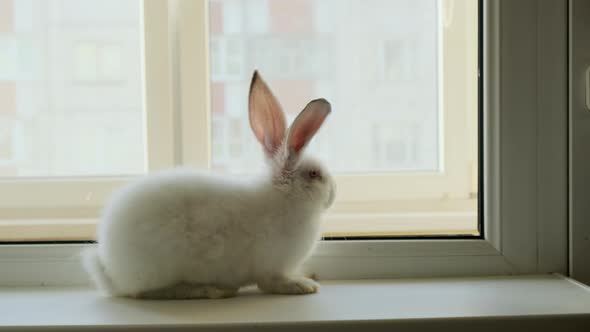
point(182, 234)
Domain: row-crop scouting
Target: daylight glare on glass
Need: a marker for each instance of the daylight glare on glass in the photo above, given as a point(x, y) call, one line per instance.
point(377, 62)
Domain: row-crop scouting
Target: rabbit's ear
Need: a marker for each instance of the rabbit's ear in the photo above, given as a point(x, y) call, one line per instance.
point(305, 127)
point(266, 116)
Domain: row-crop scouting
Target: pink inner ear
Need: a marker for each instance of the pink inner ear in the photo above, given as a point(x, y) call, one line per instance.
point(266, 116)
point(307, 124)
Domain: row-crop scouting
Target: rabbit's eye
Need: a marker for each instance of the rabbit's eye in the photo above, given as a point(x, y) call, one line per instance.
point(314, 174)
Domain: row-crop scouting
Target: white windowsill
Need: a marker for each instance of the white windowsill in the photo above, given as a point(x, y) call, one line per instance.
point(546, 302)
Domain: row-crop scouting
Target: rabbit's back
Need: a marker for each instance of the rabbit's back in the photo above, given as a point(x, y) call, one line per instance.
point(176, 226)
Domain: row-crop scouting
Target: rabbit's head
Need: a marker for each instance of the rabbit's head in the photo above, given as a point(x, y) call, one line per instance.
point(291, 171)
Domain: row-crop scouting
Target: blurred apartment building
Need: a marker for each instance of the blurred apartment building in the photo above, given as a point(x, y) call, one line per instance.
point(71, 89)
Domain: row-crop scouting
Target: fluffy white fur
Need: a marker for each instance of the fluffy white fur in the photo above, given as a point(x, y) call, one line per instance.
point(187, 234)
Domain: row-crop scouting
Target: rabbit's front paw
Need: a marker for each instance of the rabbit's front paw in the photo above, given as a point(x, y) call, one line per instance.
point(298, 285)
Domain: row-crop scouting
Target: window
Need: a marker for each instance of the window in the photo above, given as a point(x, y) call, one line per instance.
point(525, 229)
point(97, 62)
point(409, 169)
point(73, 113)
point(402, 79)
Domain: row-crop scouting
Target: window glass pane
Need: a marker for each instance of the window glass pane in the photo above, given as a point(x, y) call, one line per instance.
point(378, 62)
point(70, 88)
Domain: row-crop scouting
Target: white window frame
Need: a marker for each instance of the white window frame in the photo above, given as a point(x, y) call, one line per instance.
point(525, 165)
point(378, 197)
